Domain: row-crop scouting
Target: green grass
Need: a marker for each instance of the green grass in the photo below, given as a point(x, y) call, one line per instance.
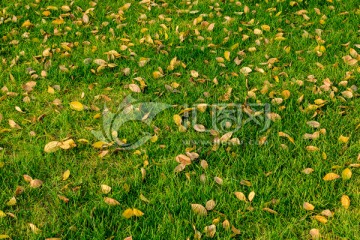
point(274, 169)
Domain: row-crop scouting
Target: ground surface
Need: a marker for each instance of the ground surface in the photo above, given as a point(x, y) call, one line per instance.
point(61, 61)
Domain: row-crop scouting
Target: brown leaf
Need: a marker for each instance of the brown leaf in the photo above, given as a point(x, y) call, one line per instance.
point(218, 180)
point(210, 205)
point(111, 201)
point(63, 198)
point(270, 210)
point(308, 170)
point(183, 159)
point(35, 183)
point(315, 233)
point(199, 209)
point(308, 206)
point(241, 196)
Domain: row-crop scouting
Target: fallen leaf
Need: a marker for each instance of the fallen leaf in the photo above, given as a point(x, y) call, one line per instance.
point(346, 174)
point(36, 183)
point(331, 176)
point(321, 219)
point(251, 196)
point(210, 205)
point(11, 202)
point(218, 180)
point(105, 189)
point(314, 233)
point(345, 201)
point(128, 213)
point(66, 175)
point(137, 212)
point(308, 206)
point(111, 201)
point(241, 196)
point(199, 209)
point(77, 106)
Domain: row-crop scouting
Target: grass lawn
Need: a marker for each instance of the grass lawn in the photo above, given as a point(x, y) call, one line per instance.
point(259, 137)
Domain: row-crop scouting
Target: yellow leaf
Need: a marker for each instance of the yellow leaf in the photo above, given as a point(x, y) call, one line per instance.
point(77, 106)
point(34, 229)
point(330, 176)
point(194, 73)
point(137, 212)
point(251, 196)
point(345, 201)
point(11, 202)
point(66, 175)
point(58, 21)
point(46, 13)
point(128, 213)
point(111, 201)
point(346, 174)
point(4, 236)
point(308, 206)
point(199, 209)
point(100, 144)
point(343, 139)
point(105, 189)
point(157, 74)
point(227, 55)
point(312, 148)
point(2, 214)
point(177, 119)
point(265, 27)
point(27, 23)
point(321, 219)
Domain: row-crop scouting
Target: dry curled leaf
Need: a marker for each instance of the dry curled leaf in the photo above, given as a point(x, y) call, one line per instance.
point(308, 170)
point(199, 209)
point(210, 205)
point(134, 88)
point(241, 196)
point(105, 189)
point(218, 180)
point(34, 229)
point(270, 210)
point(35, 183)
point(251, 196)
point(314, 233)
point(210, 230)
point(308, 206)
point(111, 201)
